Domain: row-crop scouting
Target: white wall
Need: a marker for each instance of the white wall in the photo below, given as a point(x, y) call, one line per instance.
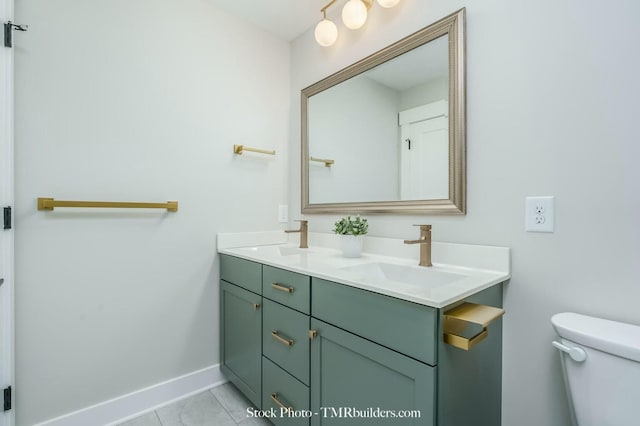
point(552, 104)
point(134, 100)
point(357, 127)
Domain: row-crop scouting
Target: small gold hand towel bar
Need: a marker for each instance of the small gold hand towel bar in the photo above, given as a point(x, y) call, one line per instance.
point(457, 319)
point(50, 204)
point(327, 162)
point(238, 149)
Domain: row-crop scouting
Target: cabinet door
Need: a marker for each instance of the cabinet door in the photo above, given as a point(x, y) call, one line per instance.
point(241, 339)
point(357, 382)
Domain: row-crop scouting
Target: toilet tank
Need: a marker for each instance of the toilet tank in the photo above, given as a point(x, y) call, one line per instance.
point(604, 383)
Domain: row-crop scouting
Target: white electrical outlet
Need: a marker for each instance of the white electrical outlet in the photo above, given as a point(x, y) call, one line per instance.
point(283, 213)
point(539, 214)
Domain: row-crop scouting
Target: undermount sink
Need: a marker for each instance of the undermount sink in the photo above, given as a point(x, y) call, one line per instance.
point(406, 274)
point(277, 250)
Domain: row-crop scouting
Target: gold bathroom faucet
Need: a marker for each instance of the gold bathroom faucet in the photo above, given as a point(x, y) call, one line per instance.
point(425, 244)
point(304, 230)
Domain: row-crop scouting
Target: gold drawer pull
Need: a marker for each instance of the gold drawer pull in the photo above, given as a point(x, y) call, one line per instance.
point(457, 319)
point(256, 306)
point(277, 286)
point(288, 342)
point(274, 397)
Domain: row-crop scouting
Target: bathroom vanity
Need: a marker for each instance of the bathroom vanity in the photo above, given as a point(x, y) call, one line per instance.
point(300, 330)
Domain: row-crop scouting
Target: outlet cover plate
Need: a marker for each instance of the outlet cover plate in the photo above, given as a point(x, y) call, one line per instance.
point(540, 214)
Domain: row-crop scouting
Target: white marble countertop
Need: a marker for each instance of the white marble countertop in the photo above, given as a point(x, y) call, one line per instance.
point(458, 271)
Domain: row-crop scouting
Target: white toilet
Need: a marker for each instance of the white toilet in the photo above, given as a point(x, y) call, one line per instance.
point(601, 365)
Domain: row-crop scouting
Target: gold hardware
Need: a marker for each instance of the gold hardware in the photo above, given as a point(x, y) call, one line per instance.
point(50, 204)
point(457, 319)
point(277, 286)
point(425, 245)
point(256, 306)
point(327, 162)
point(288, 342)
point(274, 397)
point(463, 342)
point(313, 334)
point(304, 232)
point(239, 149)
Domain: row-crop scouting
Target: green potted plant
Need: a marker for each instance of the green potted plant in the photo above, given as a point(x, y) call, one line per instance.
point(352, 231)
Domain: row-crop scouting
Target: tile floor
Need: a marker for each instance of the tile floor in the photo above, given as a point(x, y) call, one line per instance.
point(221, 406)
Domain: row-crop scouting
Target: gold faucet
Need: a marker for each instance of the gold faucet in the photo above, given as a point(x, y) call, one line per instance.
point(304, 228)
point(425, 245)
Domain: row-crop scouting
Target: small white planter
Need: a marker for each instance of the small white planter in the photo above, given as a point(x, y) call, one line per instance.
point(352, 245)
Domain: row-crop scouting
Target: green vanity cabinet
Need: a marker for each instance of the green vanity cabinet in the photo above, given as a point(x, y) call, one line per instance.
point(241, 339)
point(351, 356)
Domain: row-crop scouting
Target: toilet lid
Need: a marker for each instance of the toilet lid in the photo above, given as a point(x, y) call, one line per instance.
point(613, 337)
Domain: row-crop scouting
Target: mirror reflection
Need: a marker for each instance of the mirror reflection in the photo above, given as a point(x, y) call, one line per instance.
point(386, 134)
point(386, 131)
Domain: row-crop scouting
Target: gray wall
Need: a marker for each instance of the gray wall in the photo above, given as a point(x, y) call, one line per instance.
point(552, 103)
point(134, 100)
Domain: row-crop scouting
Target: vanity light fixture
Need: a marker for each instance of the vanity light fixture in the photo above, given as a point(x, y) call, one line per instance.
point(354, 15)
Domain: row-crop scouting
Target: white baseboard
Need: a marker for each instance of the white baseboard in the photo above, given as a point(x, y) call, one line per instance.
point(131, 405)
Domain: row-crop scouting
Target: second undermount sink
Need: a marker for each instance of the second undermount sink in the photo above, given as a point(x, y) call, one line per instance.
point(406, 274)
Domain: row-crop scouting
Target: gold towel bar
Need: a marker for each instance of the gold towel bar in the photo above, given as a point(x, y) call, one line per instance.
point(50, 204)
point(327, 162)
point(238, 149)
point(457, 319)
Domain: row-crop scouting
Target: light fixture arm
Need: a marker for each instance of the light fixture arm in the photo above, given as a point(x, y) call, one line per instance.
point(327, 6)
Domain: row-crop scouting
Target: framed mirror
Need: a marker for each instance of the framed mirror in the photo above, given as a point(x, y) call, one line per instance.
point(387, 134)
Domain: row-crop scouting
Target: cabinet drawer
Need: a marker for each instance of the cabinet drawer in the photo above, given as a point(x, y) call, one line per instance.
point(241, 272)
point(287, 390)
point(286, 287)
point(406, 327)
point(289, 347)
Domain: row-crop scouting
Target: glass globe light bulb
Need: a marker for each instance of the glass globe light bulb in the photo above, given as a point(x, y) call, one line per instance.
point(326, 33)
point(388, 3)
point(354, 14)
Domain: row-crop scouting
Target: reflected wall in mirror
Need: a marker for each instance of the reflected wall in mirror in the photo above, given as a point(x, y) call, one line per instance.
point(387, 134)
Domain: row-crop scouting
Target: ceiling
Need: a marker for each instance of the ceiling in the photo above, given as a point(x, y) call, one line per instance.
point(286, 19)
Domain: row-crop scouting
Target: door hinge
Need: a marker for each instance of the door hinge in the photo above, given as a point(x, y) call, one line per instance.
point(8, 32)
point(7, 218)
point(7, 398)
